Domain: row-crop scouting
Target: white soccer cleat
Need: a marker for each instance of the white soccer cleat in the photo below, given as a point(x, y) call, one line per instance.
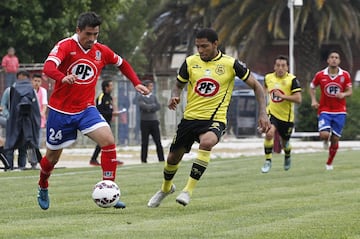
point(183, 198)
point(159, 196)
point(329, 167)
point(267, 166)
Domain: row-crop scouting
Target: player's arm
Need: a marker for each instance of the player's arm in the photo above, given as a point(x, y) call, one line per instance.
point(295, 92)
point(264, 123)
point(346, 93)
point(129, 72)
point(312, 91)
point(51, 70)
point(179, 86)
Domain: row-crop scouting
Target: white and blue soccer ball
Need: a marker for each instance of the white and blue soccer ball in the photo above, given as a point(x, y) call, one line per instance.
point(106, 193)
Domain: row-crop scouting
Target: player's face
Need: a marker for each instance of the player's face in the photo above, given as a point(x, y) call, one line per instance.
point(36, 82)
point(333, 60)
point(206, 49)
point(88, 36)
point(281, 67)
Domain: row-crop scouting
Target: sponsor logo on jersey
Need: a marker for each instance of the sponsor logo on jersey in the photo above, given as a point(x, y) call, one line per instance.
point(332, 89)
point(275, 98)
point(85, 71)
point(207, 87)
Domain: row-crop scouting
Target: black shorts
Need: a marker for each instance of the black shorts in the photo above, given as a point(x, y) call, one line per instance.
point(283, 127)
point(189, 131)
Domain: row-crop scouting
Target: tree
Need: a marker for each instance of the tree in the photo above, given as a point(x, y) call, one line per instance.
point(250, 26)
point(33, 27)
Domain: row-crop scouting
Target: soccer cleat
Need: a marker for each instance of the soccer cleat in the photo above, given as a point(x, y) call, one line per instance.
point(94, 163)
point(43, 198)
point(120, 204)
point(287, 163)
point(119, 163)
point(267, 166)
point(159, 196)
point(183, 198)
point(329, 167)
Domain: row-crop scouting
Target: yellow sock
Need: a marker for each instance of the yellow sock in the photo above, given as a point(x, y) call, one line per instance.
point(169, 173)
point(198, 168)
point(268, 148)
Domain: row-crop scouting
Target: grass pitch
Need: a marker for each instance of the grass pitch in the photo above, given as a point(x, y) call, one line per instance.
point(232, 200)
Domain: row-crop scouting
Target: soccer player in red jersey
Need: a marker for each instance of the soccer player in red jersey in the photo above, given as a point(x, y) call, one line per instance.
point(75, 64)
point(335, 85)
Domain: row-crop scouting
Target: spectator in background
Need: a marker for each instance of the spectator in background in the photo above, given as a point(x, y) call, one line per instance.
point(41, 93)
point(335, 85)
point(123, 130)
point(10, 64)
point(104, 103)
point(21, 108)
point(149, 123)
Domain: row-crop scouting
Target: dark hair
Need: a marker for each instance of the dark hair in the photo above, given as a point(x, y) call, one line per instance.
point(105, 84)
point(24, 73)
point(88, 19)
point(147, 82)
point(207, 33)
point(282, 57)
point(37, 75)
point(333, 51)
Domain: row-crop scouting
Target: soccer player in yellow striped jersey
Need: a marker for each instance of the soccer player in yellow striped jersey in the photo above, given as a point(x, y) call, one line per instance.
point(283, 91)
point(209, 76)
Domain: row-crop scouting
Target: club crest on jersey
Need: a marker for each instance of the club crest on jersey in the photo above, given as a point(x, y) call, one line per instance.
point(85, 71)
point(220, 69)
point(98, 55)
point(207, 87)
point(332, 89)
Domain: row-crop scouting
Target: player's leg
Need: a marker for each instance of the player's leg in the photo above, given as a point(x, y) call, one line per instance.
point(93, 159)
point(155, 133)
point(58, 135)
point(145, 132)
point(285, 129)
point(337, 125)
point(170, 168)
point(268, 148)
point(206, 142)
point(96, 128)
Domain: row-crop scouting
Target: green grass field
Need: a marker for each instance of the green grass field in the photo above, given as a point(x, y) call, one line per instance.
point(233, 200)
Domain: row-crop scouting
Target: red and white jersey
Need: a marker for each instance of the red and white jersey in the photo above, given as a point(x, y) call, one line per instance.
point(71, 58)
point(330, 86)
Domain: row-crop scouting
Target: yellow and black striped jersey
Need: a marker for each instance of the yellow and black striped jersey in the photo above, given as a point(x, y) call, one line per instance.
point(288, 85)
point(210, 85)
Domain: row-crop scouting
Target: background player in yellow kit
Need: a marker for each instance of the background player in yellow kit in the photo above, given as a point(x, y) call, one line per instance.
point(283, 91)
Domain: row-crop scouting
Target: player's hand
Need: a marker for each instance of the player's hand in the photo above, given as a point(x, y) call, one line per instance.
point(315, 105)
point(69, 79)
point(142, 89)
point(264, 123)
point(173, 102)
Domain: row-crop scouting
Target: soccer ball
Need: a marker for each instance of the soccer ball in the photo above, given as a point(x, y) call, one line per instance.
point(106, 193)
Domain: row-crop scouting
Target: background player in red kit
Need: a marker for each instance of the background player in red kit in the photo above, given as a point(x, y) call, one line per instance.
point(75, 64)
point(335, 84)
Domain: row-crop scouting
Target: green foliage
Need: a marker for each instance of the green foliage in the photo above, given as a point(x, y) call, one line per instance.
point(306, 117)
point(33, 27)
point(233, 200)
point(352, 126)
